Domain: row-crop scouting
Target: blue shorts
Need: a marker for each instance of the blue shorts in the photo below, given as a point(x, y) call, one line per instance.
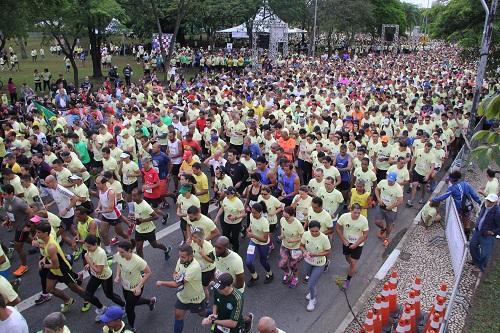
point(6, 274)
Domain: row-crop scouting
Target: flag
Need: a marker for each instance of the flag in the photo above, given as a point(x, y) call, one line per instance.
point(47, 114)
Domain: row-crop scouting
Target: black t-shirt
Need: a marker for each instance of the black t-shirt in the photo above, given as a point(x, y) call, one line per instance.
point(38, 148)
point(237, 171)
point(230, 307)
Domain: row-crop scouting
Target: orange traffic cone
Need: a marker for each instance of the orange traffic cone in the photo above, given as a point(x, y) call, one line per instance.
point(417, 287)
point(377, 311)
point(435, 323)
point(368, 325)
point(440, 307)
point(385, 304)
point(403, 326)
point(443, 290)
point(393, 284)
point(413, 318)
point(437, 308)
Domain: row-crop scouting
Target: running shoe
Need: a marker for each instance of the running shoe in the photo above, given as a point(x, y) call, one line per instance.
point(165, 219)
point(113, 241)
point(167, 252)
point(311, 305)
point(16, 283)
point(152, 303)
point(20, 271)
point(10, 253)
point(286, 278)
point(386, 242)
point(345, 286)
point(42, 299)
point(421, 201)
point(325, 269)
point(252, 282)
point(308, 296)
point(248, 322)
point(294, 282)
point(409, 203)
point(306, 279)
point(269, 278)
point(65, 307)
point(86, 307)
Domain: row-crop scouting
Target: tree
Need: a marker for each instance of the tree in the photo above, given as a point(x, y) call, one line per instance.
point(98, 15)
point(389, 12)
point(14, 18)
point(61, 19)
point(488, 150)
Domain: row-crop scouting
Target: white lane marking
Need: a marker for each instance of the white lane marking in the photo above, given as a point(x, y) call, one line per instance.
point(30, 301)
point(389, 262)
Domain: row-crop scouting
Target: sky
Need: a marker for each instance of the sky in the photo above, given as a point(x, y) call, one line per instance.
point(422, 3)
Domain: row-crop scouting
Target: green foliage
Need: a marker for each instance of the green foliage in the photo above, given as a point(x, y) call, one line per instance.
point(389, 12)
point(16, 25)
point(489, 141)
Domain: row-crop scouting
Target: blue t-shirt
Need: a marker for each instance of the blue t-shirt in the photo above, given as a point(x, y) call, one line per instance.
point(160, 163)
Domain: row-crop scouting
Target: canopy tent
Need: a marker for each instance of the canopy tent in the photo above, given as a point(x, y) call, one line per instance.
point(264, 14)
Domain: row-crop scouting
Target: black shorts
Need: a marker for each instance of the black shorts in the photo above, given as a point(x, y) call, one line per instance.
point(344, 186)
point(128, 188)
point(207, 277)
point(381, 175)
point(112, 222)
point(147, 236)
point(353, 253)
point(192, 307)
point(417, 178)
point(154, 202)
point(67, 222)
point(67, 277)
point(272, 227)
point(183, 224)
point(175, 169)
point(21, 236)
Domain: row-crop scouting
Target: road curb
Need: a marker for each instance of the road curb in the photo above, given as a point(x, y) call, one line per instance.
point(386, 266)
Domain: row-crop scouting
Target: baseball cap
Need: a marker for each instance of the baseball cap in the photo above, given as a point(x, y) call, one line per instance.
point(385, 138)
point(492, 197)
point(187, 154)
point(36, 219)
point(124, 155)
point(392, 176)
point(222, 281)
point(214, 138)
point(112, 313)
point(75, 177)
point(230, 190)
point(185, 188)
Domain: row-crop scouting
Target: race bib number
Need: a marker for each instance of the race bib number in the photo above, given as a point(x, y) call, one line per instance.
point(300, 216)
point(310, 260)
point(251, 249)
point(296, 254)
point(10, 216)
point(352, 239)
point(223, 329)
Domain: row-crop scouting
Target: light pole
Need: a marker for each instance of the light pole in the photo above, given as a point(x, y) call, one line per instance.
point(313, 51)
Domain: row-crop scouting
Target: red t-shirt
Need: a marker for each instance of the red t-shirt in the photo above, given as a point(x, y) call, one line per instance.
point(150, 178)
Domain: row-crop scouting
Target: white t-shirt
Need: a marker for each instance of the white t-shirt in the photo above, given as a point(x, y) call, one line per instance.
point(62, 197)
point(15, 323)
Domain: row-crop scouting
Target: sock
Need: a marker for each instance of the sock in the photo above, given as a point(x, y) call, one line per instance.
point(178, 326)
point(254, 275)
point(349, 277)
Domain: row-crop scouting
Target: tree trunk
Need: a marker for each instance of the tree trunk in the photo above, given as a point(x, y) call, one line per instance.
point(95, 51)
point(21, 43)
point(75, 69)
point(329, 43)
point(2, 42)
point(160, 38)
point(178, 20)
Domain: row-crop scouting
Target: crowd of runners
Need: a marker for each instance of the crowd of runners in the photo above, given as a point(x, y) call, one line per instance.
point(292, 157)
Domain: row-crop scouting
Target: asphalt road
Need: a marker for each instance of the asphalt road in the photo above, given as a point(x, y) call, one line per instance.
point(286, 305)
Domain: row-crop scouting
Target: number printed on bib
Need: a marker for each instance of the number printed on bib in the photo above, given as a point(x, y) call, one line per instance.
point(223, 329)
point(251, 249)
point(296, 254)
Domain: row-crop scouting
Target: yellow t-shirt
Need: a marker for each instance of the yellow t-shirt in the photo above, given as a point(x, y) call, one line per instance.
point(259, 227)
point(322, 217)
point(302, 207)
point(360, 199)
point(315, 245)
point(331, 200)
point(6, 264)
point(184, 203)
point(16, 183)
point(98, 257)
point(314, 185)
point(232, 264)
point(63, 177)
point(330, 172)
point(127, 170)
point(110, 164)
point(6, 290)
point(31, 194)
point(290, 231)
point(222, 184)
point(428, 214)
point(202, 184)
point(208, 249)
point(389, 194)
point(423, 162)
point(143, 211)
point(491, 186)
point(232, 207)
point(368, 177)
point(403, 174)
point(383, 152)
point(131, 270)
point(191, 290)
point(75, 166)
point(353, 229)
point(81, 191)
point(237, 132)
point(272, 205)
point(204, 223)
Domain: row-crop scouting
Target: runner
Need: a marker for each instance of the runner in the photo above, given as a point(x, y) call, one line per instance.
point(133, 272)
point(290, 254)
point(204, 253)
point(315, 247)
point(229, 217)
point(230, 262)
point(196, 219)
point(185, 200)
point(389, 197)
point(352, 229)
point(187, 279)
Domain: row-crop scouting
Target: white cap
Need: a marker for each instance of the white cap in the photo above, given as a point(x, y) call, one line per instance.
point(75, 177)
point(124, 155)
point(492, 197)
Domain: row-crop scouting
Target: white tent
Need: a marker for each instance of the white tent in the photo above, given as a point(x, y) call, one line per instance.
point(264, 14)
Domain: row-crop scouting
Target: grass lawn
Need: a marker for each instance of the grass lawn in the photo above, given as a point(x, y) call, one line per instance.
point(486, 303)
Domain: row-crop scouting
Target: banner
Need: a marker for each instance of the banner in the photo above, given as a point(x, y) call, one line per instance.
point(455, 236)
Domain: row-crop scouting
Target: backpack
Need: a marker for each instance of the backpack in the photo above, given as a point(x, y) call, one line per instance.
point(466, 201)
